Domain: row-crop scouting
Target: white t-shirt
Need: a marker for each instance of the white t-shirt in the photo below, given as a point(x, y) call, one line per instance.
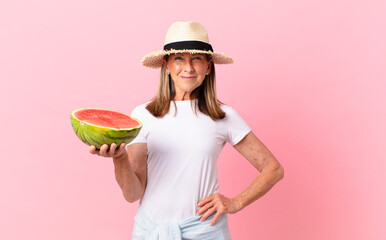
point(182, 153)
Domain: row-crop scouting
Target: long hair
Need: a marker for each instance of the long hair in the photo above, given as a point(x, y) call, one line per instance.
point(206, 95)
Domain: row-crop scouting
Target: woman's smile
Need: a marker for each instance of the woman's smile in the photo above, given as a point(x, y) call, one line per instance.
point(188, 77)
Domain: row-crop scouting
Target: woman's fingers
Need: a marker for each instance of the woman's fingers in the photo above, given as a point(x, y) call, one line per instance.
point(118, 149)
point(217, 204)
point(108, 151)
point(205, 200)
point(92, 149)
point(208, 213)
point(205, 208)
point(103, 150)
point(215, 218)
point(112, 149)
point(122, 146)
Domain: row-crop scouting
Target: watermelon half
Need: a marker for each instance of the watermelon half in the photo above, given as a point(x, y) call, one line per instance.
point(99, 126)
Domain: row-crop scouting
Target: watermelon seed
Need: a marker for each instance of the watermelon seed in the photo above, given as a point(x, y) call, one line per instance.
point(81, 123)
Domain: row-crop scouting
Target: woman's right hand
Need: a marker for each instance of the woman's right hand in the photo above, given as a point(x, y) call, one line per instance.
point(113, 151)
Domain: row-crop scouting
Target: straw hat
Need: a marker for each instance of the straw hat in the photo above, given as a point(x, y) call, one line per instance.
point(185, 37)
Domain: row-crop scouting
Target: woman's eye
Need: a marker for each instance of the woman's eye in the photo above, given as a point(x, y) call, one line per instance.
point(178, 58)
point(197, 58)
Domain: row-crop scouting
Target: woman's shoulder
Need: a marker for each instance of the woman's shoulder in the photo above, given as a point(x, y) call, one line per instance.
point(141, 111)
point(230, 113)
point(141, 106)
point(227, 109)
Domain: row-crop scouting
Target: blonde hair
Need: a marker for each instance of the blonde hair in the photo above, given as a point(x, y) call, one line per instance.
point(206, 95)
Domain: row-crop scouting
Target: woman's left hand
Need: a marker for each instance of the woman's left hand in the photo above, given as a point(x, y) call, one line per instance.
point(218, 204)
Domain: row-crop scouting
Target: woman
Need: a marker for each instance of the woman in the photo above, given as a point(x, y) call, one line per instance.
point(171, 165)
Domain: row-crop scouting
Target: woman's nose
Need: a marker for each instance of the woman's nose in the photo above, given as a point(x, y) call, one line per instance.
point(189, 66)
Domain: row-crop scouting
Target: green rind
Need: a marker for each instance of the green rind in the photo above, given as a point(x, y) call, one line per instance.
point(97, 136)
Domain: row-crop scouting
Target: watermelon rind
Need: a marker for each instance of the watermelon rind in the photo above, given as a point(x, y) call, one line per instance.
point(97, 135)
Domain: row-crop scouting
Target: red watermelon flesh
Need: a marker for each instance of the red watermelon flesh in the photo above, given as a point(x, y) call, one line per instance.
point(106, 118)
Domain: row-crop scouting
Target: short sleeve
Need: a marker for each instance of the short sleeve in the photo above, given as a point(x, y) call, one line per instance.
point(140, 113)
point(235, 126)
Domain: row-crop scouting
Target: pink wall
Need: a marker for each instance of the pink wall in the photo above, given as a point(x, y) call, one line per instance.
point(309, 78)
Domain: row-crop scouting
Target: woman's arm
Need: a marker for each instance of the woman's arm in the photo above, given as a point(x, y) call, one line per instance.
point(270, 173)
point(130, 168)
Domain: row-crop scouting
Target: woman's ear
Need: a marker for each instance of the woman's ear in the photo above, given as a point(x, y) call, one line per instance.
point(209, 67)
point(165, 64)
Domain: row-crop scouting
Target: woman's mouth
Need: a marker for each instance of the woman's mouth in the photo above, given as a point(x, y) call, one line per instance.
point(188, 77)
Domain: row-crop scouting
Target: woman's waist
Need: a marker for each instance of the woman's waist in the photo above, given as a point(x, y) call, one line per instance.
point(172, 206)
point(171, 209)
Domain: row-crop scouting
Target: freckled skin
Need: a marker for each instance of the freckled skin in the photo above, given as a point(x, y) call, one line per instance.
point(270, 173)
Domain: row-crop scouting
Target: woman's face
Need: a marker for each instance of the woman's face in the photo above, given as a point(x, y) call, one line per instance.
point(188, 71)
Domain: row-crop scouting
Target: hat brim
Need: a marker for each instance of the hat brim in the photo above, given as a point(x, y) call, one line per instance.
point(154, 59)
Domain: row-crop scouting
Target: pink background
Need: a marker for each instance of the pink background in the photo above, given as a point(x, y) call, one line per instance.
point(309, 78)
